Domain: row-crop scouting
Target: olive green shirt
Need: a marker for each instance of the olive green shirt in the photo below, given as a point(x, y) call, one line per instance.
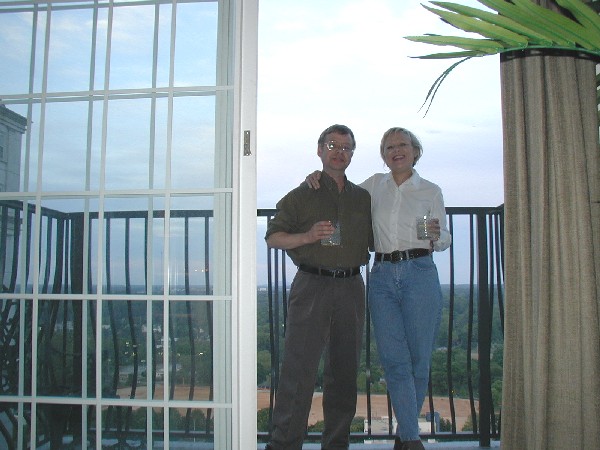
point(302, 207)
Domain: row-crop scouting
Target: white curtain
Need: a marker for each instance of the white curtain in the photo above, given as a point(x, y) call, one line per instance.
point(551, 387)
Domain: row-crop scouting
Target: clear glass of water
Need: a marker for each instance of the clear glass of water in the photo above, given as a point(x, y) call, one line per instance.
point(335, 238)
point(424, 230)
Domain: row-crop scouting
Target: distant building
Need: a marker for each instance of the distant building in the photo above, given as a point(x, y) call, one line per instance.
point(12, 128)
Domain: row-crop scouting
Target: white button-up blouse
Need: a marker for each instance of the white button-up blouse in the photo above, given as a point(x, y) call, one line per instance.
point(395, 209)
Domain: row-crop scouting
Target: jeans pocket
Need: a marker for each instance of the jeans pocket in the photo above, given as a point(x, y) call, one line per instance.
point(376, 267)
point(423, 263)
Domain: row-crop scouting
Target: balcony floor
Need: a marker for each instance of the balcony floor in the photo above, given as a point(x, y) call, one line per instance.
point(388, 445)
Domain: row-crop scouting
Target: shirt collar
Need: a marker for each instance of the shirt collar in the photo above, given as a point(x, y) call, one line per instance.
point(330, 183)
point(414, 179)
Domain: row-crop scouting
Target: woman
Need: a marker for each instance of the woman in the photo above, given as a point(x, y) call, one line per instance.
point(404, 289)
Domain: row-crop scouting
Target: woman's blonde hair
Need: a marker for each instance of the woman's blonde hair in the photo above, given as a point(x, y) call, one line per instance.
point(414, 141)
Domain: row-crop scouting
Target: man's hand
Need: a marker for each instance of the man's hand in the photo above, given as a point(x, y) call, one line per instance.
point(286, 241)
point(320, 230)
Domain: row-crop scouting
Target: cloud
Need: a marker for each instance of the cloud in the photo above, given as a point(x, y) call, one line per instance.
point(347, 62)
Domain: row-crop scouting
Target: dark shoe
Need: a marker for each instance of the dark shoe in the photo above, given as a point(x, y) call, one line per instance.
point(398, 443)
point(268, 447)
point(412, 445)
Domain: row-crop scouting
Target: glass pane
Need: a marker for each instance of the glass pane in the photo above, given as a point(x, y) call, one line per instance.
point(13, 125)
point(15, 51)
point(59, 348)
point(114, 153)
point(123, 427)
point(68, 58)
point(63, 246)
point(11, 238)
point(196, 44)
point(158, 427)
point(191, 242)
point(30, 151)
point(65, 146)
point(90, 313)
point(132, 47)
point(39, 28)
point(191, 427)
point(191, 367)
point(124, 354)
point(9, 416)
point(12, 316)
point(157, 374)
point(132, 261)
point(193, 149)
point(128, 140)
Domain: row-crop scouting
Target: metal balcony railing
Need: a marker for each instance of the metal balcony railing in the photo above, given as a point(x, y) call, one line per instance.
point(62, 325)
point(476, 260)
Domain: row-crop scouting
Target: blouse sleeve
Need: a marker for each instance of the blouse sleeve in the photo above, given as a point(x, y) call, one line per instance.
point(439, 210)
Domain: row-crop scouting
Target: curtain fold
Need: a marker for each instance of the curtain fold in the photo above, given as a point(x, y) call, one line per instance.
point(551, 388)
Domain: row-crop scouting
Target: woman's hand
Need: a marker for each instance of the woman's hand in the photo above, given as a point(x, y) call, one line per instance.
point(433, 228)
point(313, 180)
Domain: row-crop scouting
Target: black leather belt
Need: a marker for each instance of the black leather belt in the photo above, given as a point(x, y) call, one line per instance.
point(403, 255)
point(335, 273)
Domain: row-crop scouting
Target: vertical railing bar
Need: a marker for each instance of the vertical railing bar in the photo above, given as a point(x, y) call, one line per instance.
point(500, 265)
point(89, 259)
point(19, 215)
point(47, 259)
point(390, 414)
point(449, 346)
point(130, 317)
point(209, 318)
point(107, 252)
point(4, 212)
point(484, 337)
point(492, 272)
point(113, 328)
point(6, 329)
point(273, 385)
point(188, 305)
point(470, 324)
point(59, 257)
point(67, 254)
point(284, 297)
point(368, 377)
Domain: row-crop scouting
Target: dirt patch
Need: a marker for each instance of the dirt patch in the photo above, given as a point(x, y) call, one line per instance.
point(379, 407)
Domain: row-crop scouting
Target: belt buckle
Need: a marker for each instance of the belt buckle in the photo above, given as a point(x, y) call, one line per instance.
point(338, 273)
point(396, 256)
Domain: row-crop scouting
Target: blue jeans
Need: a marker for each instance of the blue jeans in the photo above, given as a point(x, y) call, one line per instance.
point(406, 308)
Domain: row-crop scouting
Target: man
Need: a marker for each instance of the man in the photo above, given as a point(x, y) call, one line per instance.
point(327, 234)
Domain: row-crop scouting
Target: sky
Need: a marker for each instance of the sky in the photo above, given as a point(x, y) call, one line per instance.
point(320, 62)
point(346, 61)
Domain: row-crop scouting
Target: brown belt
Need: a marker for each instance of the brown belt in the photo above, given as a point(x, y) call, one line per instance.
point(397, 255)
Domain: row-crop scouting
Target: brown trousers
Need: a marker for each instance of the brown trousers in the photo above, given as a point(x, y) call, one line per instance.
point(325, 316)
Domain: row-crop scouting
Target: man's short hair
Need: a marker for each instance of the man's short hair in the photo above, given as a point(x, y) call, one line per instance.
point(340, 129)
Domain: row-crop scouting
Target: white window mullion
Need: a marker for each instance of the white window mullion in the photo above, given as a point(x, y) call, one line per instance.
point(86, 247)
point(150, 228)
point(22, 275)
point(36, 235)
point(101, 228)
point(244, 226)
point(167, 227)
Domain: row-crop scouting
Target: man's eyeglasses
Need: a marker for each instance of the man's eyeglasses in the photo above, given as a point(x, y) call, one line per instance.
point(333, 145)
